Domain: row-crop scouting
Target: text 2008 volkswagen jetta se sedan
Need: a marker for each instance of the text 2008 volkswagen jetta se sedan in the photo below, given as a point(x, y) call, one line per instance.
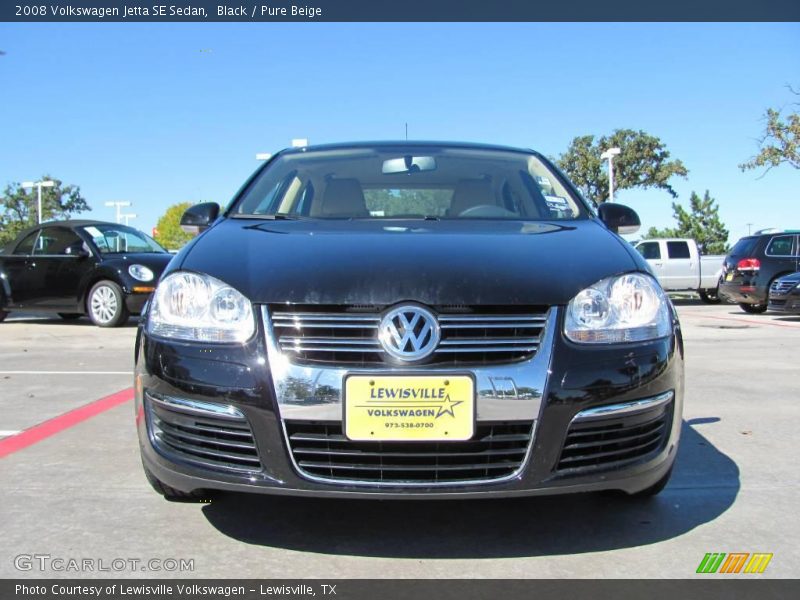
point(409, 320)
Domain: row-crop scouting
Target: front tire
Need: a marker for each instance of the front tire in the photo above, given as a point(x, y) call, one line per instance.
point(3, 315)
point(654, 489)
point(173, 495)
point(105, 305)
point(709, 296)
point(754, 309)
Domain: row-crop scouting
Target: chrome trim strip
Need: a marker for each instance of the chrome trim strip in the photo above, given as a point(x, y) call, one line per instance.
point(281, 316)
point(625, 408)
point(492, 325)
point(197, 407)
point(454, 349)
point(493, 318)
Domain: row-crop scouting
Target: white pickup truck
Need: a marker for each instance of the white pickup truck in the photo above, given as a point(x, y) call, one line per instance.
point(679, 267)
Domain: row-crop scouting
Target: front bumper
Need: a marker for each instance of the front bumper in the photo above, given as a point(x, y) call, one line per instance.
point(785, 303)
point(562, 381)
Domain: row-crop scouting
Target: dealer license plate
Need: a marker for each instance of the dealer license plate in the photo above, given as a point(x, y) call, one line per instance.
point(729, 277)
point(409, 407)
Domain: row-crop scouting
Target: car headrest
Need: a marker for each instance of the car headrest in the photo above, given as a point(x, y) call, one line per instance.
point(469, 193)
point(344, 198)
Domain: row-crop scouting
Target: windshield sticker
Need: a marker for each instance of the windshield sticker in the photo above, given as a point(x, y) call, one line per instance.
point(556, 202)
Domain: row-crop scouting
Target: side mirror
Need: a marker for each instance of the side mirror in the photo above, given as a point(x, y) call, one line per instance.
point(199, 217)
point(619, 218)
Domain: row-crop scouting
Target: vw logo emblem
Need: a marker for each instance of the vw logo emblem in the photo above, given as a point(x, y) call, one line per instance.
point(409, 333)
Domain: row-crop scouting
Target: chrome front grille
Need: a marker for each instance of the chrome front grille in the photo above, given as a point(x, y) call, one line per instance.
point(321, 451)
point(782, 286)
point(349, 335)
point(202, 434)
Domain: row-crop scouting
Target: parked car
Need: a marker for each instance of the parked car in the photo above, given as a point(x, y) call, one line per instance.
point(754, 263)
point(408, 320)
point(75, 268)
point(784, 295)
point(679, 266)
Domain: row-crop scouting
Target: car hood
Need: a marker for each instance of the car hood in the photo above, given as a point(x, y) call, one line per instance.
point(381, 262)
point(795, 277)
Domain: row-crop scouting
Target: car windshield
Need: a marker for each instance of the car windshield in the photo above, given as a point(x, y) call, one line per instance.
point(116, 239)
point(415, 182)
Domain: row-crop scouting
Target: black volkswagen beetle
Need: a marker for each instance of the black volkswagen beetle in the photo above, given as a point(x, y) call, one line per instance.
point(409, 320)
point(73, 268)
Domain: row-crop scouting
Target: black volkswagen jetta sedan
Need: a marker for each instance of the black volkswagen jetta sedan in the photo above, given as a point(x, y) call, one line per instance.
point(105, 271)
point(409, 320)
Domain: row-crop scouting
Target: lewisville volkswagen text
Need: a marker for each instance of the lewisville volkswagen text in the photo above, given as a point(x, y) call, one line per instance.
point(408, 320)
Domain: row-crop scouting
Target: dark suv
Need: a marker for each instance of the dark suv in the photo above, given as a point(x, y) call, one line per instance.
point(754, 263)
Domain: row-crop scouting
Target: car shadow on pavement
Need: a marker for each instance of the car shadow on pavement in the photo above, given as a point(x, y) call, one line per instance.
point(703, 486)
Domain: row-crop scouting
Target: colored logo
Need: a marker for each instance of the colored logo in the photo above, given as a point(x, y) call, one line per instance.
point(734, 562)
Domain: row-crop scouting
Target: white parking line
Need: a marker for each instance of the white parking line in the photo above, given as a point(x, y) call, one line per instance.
point(8, 432)
point(66, 372)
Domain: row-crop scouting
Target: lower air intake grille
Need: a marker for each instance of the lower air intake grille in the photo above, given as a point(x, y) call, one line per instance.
point(613, 442)
point(321, 450)
point(183, 433)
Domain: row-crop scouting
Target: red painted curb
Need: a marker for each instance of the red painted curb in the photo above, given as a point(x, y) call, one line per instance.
point(39, 432)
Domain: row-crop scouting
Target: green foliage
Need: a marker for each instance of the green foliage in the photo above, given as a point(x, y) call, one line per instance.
point(702, 224)
point(779, 144)
point(643, 163)
point(168, 229)
point(18, 206)
point(408, 201)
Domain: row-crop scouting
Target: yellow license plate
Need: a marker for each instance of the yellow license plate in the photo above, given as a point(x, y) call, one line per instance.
point(729, 277)
point(409, 407)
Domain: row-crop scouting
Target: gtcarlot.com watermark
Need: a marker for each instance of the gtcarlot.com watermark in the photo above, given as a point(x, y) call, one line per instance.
point(62, 564)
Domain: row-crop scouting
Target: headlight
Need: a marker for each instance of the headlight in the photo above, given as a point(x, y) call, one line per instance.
point(628, 308)
point(140, 272)
point(199, 308)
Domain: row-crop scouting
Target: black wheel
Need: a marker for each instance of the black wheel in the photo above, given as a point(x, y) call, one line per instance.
point(3, 315)
point(709, 296)
point(70, 316)
point(754, 309)
point(105, 305)
point(172, 494)
point(656, 488)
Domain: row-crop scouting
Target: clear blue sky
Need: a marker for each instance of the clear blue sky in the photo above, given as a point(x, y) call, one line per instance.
point(159, 113)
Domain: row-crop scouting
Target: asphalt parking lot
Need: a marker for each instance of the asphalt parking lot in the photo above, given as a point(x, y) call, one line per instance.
point(79, 491)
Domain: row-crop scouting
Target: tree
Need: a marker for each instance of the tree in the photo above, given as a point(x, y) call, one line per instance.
point(702, 224)
point(168, 229)
point(18, 206)
point(644, 163)
point(780, 142)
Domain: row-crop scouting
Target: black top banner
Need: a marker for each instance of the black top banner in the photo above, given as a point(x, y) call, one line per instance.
point(404, 10)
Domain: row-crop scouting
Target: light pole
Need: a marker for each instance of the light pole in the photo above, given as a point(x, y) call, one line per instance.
point(127, 217)
point(38, 185)
point(610, 154)
point(118, 205)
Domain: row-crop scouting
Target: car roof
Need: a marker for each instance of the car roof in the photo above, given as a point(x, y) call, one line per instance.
point(390, 144)
point(64, 223)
